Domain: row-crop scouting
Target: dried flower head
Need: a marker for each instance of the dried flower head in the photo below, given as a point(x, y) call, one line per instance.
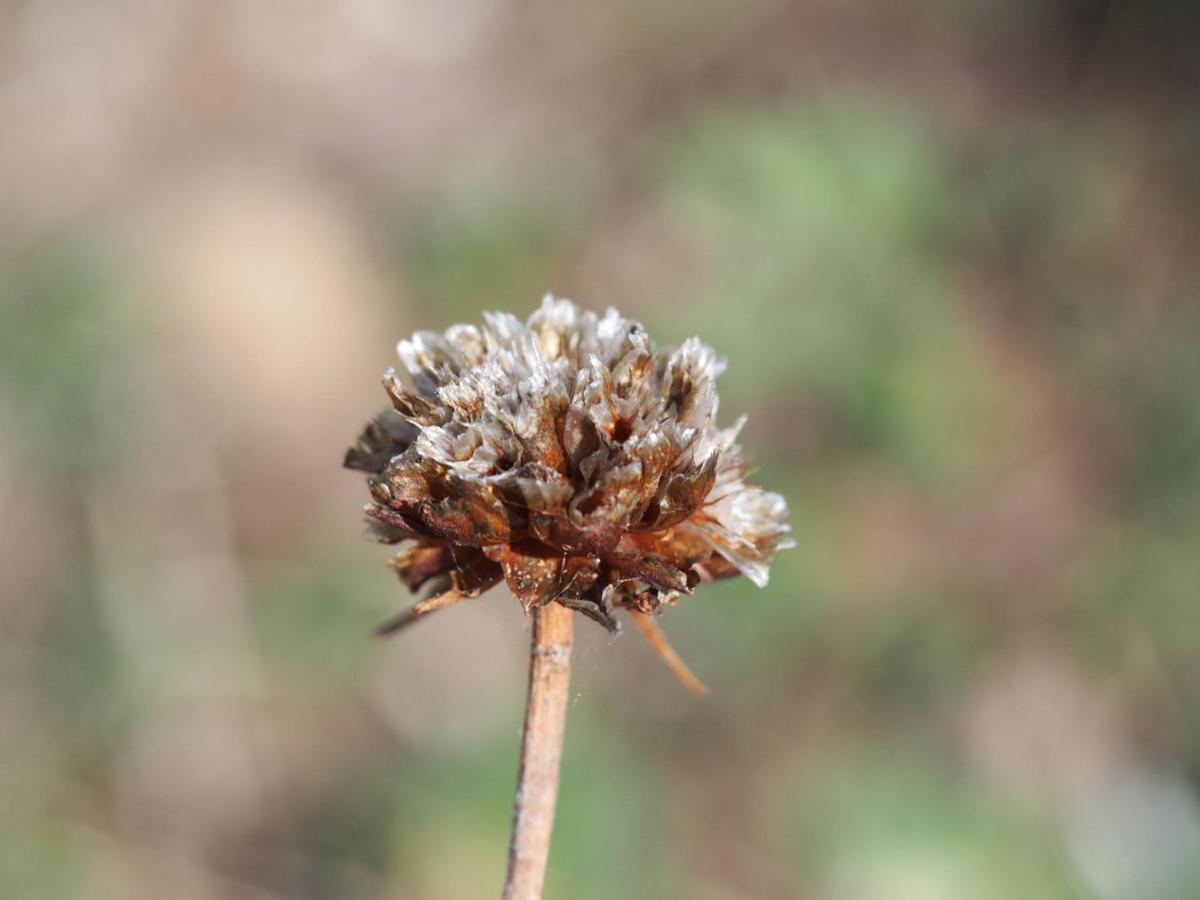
point(567, 456)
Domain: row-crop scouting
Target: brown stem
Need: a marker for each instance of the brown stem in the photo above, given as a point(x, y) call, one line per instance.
point(541, 751)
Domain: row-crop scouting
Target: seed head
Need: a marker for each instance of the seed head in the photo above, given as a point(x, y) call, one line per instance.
point(567, 456)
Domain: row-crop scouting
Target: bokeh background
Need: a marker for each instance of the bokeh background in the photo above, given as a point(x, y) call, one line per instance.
point(950, 250)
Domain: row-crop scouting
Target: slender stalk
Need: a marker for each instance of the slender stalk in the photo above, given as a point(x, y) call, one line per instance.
point(541, 751)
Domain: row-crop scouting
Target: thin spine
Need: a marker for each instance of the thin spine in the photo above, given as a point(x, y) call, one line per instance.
point(653, 634)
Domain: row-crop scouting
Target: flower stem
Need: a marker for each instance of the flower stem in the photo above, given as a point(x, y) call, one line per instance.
point(541, 751)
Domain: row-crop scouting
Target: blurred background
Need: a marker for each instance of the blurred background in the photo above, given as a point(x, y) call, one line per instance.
point(950, 250)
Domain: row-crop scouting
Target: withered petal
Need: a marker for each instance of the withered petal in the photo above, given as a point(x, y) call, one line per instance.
point(685, 492)
point(390, 526)
point(473, 572)
point(654, 570)
point(532, 571)
point(421, 561)
point(384, 438)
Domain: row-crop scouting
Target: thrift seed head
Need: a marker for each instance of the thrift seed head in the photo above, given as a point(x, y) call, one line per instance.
point(567, 456)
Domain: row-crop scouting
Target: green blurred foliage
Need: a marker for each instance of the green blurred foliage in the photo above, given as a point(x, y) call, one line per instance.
point(310, 619)
point(482, 246)
point(906, 827)
point(823, 231)
point(70, 342)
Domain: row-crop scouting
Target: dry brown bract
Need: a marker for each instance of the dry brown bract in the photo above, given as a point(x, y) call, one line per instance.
point(567, 456)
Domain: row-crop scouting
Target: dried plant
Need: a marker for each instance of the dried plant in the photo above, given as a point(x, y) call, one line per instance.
point(569, 458)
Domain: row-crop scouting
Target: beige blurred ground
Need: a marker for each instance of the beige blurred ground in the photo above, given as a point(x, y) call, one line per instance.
point(950, 252)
